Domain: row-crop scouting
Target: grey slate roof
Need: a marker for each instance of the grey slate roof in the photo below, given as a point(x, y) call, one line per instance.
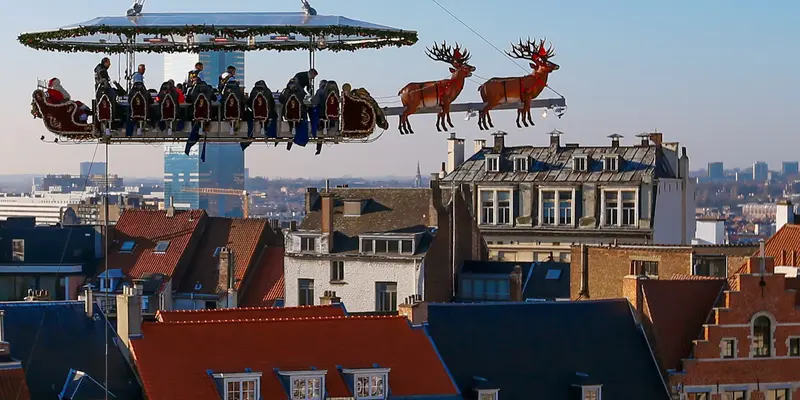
point(548, 165)
point(537, 286)
point(535, 350)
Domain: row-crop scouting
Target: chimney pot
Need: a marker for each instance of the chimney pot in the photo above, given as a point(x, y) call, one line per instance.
point(615, 137)
point(479, 145)
point(499, 142)
point(455, 152)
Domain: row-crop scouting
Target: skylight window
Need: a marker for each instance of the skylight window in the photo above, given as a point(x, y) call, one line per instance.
point(161, 247)
point(127, 246)
point(553, 274)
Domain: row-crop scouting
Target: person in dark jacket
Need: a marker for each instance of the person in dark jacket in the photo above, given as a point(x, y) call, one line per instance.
point(304, 79)
point(101, 72)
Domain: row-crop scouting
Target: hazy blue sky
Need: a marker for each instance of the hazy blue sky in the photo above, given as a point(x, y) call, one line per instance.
point(719, 76)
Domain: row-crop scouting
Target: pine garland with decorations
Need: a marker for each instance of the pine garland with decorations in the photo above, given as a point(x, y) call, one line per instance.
point(47, 40)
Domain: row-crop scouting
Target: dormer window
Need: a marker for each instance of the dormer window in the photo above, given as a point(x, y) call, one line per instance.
point(521, 164)
point(240, 386)
point(387, 244)
point(493, 163)
point(305, 385)
point(611, 163)
point(580, 163)
point(308, 243)
point(369, 383)
point(591, 393)
point(488, 394)
point(127, 246)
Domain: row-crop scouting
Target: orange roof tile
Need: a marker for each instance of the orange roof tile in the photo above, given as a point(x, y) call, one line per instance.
point(172, 363)
point(147, 228)
point(267, 284)
point(678, 309)
point(13, 384)
point(223, 314)
point(243, 236)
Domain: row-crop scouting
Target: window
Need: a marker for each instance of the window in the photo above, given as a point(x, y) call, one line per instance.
point(407, 246)
point(474, 288)
point(371, 386)
point(127, 246)
point(305, 292)
point(734, 395)
point(580, 163)
point(487, 394)
point(337, 271)
point(557, 207)
point(366, 246)
point(241, 389)
point(487, 207)
point(161, 247)
point(778, 394)
point(762, 337)
point(620, 207)
point(385, 296)
point(18, 250)
point(591, 393)
point(728, 348)
point(644, 268)
point(521, 164)
point(307, 388)
point(492, 164)
point(611, 163)
point(503, 207)
point(308, 244)
point(553, 274)
point(549, 208)
point(794, 347)
point(392, 246)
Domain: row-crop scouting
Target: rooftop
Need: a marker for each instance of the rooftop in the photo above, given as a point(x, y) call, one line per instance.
point(267, 286)
point(250, 313)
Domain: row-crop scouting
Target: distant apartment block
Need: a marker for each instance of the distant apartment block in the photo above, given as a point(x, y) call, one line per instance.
point(760, 171)
point(790, 168)
point(716, 171)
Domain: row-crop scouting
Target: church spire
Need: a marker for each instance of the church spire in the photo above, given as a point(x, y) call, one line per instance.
point(418, 179)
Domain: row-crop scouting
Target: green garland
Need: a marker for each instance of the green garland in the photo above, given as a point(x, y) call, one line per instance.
point(47, 40)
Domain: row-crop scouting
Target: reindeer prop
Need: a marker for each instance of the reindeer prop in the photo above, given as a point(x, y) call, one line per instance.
point(437, 93)
point(521, 89)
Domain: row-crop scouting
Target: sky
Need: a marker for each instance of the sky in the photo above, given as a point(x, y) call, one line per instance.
point(720, 77)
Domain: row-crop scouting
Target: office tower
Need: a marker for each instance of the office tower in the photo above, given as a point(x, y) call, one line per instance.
point(93, 168)
point(716, 172)
point(760, 171)
point(177, 66)
point(223, 168)
point(789, 168)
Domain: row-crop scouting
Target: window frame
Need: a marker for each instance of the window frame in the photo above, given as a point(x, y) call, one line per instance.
point(492, 161)
point(588, 389)
point(398, 240)
point(16, 254)
point(786, 391)
point(488, 392)
point(557, 206)
point(337, 271)
point(228, 378)
point(754, 347)
point(382, 373)
point(127, 251)
point(159, 243)
point(380, 300)
point(619, 208)
point(524, 161)
point(796, 340)
point(580, 163)
point(609, 161)
point(495, 207)
point(304, 240)
point(722, 348)
point(639, 267)
point(306, 375)
point(310, 295)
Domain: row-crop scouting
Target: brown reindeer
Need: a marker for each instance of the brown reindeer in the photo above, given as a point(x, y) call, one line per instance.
point(521, 89)
point(437, 93)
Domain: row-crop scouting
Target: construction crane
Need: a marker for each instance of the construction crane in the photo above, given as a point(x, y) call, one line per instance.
point(226, 192)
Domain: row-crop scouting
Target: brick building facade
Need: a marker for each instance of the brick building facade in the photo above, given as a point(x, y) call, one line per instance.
point(598, 270)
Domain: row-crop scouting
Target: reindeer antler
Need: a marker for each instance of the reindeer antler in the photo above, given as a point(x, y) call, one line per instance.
point(447, 54)
point(530, 50)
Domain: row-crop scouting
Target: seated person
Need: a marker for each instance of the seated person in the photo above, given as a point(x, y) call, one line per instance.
point(227, 77)
point(56, 94)
point(321, 94)
point(179, 89)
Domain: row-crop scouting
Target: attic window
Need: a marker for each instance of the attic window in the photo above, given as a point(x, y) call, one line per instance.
point(161, 247)
point(240, 386)
point(611, 163)
point(488, 394)
point(591, 393)
point(521, 164)
point(305, 385)
point(127, 246)
point(370, 383)
point(493, 164)
point(580, 163)
point(553, 274)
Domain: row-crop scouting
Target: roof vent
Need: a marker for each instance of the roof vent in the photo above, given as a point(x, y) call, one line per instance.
point(615, 137)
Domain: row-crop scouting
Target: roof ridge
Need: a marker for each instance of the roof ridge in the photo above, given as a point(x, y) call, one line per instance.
point(259, 308)
point(284, 319)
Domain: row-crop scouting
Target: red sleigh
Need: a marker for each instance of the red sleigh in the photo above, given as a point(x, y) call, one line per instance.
point(61, 119)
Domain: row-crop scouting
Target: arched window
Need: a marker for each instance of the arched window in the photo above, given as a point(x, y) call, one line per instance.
point(762, 336)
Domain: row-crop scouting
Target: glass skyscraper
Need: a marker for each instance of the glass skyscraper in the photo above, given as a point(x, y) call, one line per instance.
point(223, 167)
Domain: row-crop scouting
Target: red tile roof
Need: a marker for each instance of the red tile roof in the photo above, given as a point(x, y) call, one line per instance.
point(13, 384)
point(223, 314)
point(172, 358)
point(147, 228)
point(784, 246)
point(678, 309)
point(245, 237)
point(266, 284)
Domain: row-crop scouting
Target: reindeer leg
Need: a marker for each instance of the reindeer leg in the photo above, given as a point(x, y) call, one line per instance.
point(449, 121)
point(401, 125)
point(409, 130)
point(481, 118)
point(444, 119)
point(519, 114)
point(489, 118)
point(439, 121)
point(528, 107)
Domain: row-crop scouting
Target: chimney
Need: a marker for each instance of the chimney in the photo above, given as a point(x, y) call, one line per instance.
point(683, 164)
point(312, 195)
point(225, 270)
point(784, 214)
point(455, 152)
point(499, 142)
point(129, 315)
point(292, 226)
point(757, 264)
point(479, 145)
point(434, 180)
point(656, 138)
point(88, 301)
point(632, 290)
point(170, 209)
point(327, 218)
point(615, 137)
point(644, 139)
point(414, 309)
point(515, 284)
point(555, 140)
point(329, 297)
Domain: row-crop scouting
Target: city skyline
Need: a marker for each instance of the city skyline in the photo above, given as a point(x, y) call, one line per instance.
point(613, 82)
